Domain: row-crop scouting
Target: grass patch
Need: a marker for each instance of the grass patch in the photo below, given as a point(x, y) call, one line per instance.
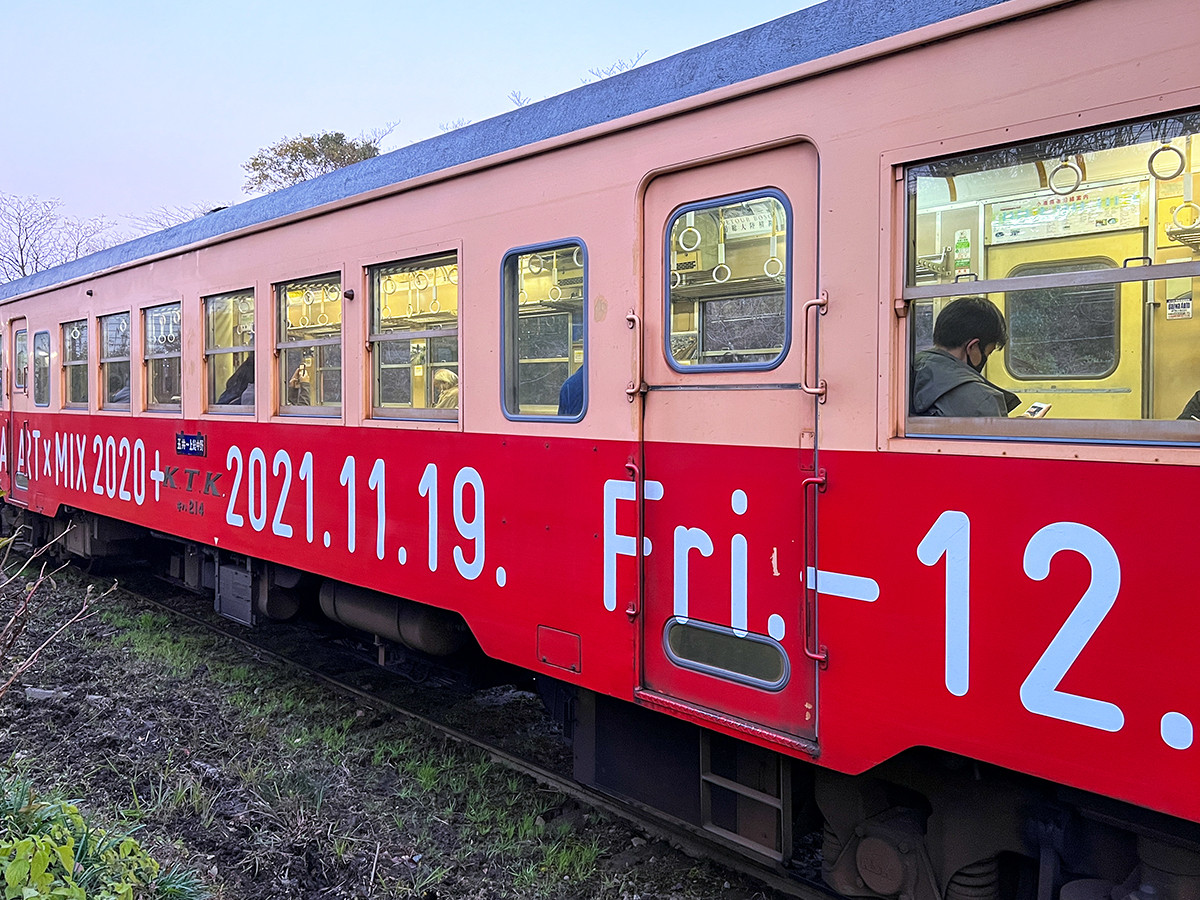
point(268, 783)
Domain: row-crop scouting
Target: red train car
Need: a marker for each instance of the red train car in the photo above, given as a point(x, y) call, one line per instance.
point(627, 385)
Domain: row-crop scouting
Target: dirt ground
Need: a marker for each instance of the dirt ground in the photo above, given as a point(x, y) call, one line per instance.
point(269, 785)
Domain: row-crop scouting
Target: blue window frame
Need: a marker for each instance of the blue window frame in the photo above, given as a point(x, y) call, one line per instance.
point(728, 283)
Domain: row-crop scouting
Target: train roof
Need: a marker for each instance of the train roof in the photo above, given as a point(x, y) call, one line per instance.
point(810, 34)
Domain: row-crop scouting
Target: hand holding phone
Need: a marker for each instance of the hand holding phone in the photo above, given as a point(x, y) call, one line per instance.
point(1036, 410)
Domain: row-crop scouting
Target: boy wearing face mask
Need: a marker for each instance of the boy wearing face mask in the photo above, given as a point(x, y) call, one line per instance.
point(946, 380)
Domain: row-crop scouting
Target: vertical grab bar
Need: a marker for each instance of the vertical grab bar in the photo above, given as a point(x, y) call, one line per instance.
point(635, 386)
point(809, 487)
point(821, 304)
point(635, 473)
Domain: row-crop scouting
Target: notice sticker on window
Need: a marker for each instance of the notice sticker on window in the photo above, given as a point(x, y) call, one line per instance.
point(1180, 307)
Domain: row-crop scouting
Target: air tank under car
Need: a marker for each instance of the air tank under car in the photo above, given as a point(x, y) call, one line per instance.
point(437, 632)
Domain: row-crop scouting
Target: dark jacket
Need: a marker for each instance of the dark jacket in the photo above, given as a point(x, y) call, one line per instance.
point(1192, 410)
point(945, 386)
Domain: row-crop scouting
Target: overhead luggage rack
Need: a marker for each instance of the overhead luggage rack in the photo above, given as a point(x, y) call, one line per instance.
point(941, 265)
point(1189, 236)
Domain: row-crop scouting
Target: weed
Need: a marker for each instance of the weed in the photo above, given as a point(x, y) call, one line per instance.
point(515, 785)
point(573, 858)
point(341, 848)
point(302, 736)
point(177, 883)
point(528, 827)
point(526, 877)
point(50, 849)
point(135, 811)
point(231, 675)
point(508, 831)
point(458, 781)
point(480, 814)
point(335, 737)
point(482, 770)
point(117, 618)
point(424, 878)
point(428, 775)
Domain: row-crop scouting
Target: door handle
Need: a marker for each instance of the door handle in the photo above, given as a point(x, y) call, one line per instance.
point(635, 473)
point(635, 387)
point(818, 653)
point(821, 304)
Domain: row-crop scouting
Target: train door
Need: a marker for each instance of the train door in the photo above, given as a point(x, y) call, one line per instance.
point(1081, 347)
point(728, 442)
point(19, 438)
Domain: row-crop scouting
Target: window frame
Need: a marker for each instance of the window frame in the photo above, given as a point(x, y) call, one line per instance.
point(21, 372)
point(1111, 433)
point(104, 361)
point(211, 404)
point(68, 364)
point(148, 358)
point(41, 361)
point(1116, 322)
point(282, 345)
point(375, 337)
point(509, 361)
point(711, 203)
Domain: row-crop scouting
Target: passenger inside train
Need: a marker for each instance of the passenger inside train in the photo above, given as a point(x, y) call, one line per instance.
point(946, 379)
point(1073, 239)
point(229, 351)
point(240, 384)
point(414, 338)
point(445, 389)
point(310, 345)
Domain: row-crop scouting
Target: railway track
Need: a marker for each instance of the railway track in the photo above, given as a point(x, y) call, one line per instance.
point(337, 662)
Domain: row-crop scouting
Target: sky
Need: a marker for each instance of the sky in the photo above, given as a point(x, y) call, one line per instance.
point(120, 107)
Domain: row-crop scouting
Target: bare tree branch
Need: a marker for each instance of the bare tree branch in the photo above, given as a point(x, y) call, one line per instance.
point(35, 235)
point(23, 599)
point(621, 65)
point(599, 73)
point(167, 216)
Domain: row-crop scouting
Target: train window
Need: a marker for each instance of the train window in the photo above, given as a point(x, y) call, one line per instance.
point(114, 360)
point(20, 359)
point(751, 659)
point(75, 363)
point(727, 283)
point(1069, 331)
point(310, 345)
point(163, 335)
point(229, 351)
point(414, 337)
point(545, 331)
point(1085, 248)
point(41, 368)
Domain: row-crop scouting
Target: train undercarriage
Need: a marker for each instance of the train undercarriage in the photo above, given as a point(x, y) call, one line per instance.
point(925, 825)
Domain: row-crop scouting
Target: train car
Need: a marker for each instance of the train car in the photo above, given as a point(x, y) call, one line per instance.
point(625, 387)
